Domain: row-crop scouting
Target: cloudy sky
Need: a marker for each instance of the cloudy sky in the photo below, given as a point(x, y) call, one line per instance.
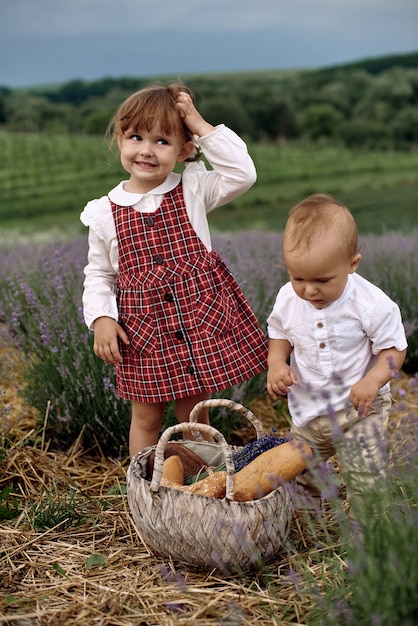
point(49, 41)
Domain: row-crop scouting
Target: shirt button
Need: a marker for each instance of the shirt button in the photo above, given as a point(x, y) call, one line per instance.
point(322, 345)
point(178, 334)
point(320, 325)
point(190, 369)
point(168, 297)
point(149, 221)
point(158, 259)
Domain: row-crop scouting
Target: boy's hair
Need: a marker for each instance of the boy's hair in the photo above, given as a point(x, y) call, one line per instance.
point(316, 216)
point(155, 104)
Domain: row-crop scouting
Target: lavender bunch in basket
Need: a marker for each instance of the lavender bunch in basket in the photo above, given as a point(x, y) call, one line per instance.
point(253, 449)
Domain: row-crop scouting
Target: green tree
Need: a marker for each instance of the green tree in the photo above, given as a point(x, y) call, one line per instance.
point(320, 120)
point(228, 111)
point(404, 127)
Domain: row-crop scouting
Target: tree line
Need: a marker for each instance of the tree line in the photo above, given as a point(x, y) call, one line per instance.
point(372, 103)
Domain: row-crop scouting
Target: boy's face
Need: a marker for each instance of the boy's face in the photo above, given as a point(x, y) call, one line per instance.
point(319, 275)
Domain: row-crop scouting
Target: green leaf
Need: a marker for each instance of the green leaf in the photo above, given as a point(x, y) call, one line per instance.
point(11, 599)
point(95, 559)
point(117, 490)
point(5, 492)
point(57, 567)
point(5, 511)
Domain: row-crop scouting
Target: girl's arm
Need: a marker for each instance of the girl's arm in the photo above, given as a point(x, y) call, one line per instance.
point(99, 299)
point(233, 170)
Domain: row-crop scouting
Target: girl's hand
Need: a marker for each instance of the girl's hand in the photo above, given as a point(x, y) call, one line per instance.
point(191, 116)
point(106, 334)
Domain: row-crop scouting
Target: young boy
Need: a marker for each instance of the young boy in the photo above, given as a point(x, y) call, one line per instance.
point(344, 338)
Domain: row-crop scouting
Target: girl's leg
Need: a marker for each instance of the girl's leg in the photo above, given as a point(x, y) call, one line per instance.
point(184, 407)
point(145, 425)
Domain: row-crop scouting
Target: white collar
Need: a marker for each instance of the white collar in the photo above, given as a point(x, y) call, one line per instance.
point(119, 196)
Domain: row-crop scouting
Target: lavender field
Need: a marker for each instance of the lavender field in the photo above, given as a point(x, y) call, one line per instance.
point(41, 290)
point(70, 554)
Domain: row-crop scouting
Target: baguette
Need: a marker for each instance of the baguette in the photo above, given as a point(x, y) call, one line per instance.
point(270, 470)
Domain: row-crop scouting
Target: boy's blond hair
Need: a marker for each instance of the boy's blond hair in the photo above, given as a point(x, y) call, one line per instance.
point(316, 216)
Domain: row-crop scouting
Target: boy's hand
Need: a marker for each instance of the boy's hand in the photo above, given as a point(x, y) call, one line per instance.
point(106, 333)
point(280, 378)
point(363, 394)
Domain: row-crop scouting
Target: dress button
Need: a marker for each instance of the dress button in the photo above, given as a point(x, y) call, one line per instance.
point(158, 259)
point(178, 334)
point(322, 345)
point(168, 297)
point(149, 221)
point(320, 325)
point(190, 369)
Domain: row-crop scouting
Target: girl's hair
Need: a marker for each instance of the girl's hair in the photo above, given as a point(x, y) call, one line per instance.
point(154, 105)
point(316, 216)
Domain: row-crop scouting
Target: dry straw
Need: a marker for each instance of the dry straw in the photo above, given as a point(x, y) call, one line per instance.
point(97, 572)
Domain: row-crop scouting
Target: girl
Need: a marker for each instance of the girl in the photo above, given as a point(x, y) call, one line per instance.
point(164, 308)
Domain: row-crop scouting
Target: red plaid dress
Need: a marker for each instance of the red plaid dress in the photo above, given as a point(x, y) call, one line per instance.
point(190, 327)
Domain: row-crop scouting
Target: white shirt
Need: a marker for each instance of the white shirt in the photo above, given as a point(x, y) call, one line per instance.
point(204, 190)
point(334, 347)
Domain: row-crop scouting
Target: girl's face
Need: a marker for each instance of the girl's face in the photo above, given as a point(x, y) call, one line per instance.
point(319, 275)
point(149, 157)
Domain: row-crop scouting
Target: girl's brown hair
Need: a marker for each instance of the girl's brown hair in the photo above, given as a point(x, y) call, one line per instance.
point(154, 105)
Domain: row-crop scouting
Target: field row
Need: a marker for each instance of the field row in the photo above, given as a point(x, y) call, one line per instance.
point(46, 180)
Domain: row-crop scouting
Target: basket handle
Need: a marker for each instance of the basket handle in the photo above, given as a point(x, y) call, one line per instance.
point(235, 406)
point(192, 427)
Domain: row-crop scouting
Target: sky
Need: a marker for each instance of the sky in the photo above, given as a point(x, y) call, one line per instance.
point(44, 42)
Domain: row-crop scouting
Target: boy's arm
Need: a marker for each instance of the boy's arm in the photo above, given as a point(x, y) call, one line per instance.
point(280, 376)
point(364, 393)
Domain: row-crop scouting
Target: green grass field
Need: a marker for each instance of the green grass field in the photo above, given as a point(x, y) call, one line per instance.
point(45, 181)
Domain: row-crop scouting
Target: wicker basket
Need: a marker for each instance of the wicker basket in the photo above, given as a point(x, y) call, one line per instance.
point(206, 532)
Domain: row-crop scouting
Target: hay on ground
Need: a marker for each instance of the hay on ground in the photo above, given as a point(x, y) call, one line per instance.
point(92, 569)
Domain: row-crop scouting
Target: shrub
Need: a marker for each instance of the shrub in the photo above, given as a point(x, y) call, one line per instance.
point(62, 375)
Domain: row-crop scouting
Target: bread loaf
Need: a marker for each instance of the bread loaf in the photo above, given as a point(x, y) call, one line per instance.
point(173, 476)
point(192, 463)
point(173, 470)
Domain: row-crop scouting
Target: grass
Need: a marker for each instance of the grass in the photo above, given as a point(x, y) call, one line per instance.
point(63, 172)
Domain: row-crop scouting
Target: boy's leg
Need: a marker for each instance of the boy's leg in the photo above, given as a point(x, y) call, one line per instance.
point(312, 484)
point(363, 454)
point(145, 425)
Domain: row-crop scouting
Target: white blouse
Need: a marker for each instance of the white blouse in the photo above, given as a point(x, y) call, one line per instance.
point(233, 173)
